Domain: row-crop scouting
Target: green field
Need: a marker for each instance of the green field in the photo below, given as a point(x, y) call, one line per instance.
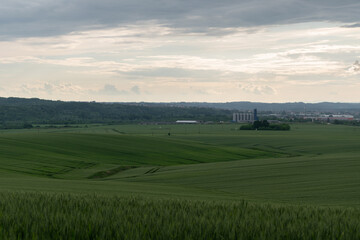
point(298, 184)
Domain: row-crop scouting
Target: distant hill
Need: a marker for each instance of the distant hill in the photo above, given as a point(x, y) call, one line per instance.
point(15, 112)
point(18, 111)
point(275, 107)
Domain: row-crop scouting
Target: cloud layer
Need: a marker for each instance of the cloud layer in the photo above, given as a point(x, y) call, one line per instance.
point(166, 50)
point(21, 18)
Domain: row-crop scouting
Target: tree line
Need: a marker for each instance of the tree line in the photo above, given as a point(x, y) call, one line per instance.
point(265, 125)
point(22, 113)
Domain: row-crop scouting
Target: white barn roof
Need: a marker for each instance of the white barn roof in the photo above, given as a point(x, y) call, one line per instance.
point(186, 121)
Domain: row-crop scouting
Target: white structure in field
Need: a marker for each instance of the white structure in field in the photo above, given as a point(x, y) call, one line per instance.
point(187, 121)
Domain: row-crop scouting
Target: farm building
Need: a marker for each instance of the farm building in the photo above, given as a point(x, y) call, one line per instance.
point(245, 116)
point(187, 121)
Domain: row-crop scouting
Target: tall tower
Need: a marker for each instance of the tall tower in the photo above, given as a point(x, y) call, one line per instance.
point(255, 115)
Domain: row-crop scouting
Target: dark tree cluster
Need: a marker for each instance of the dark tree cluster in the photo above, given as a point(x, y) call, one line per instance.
point(265, 125)
point(349, 123)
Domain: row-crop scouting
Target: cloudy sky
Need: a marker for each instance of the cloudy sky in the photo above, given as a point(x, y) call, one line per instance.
point(181, 50)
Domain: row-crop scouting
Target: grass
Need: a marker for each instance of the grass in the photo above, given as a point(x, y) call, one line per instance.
point(107, 173)
point(53, 154)
point(62, 216)
point(310, 164)
point(202, 181)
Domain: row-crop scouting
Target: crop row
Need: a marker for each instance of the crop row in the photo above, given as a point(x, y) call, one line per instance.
point(72, 216)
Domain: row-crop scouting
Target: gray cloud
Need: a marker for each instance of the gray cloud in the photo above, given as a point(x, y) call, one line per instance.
point(355, 68)
point(48, 88)
point(111, 90)
point(355, 25)
point(21, 18)
point(258, 89)
point(135, 89)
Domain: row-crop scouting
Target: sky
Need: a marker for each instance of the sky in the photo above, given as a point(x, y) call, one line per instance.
point(181, 50)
